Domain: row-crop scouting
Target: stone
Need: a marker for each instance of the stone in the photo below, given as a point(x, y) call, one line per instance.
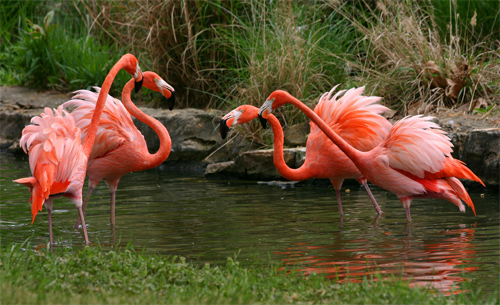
point(222, 170)
point(481, 152)
point(258, 164)
point(296, 135)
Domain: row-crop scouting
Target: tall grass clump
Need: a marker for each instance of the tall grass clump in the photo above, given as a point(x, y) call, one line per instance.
point(418, 64)
point(53, 48)
point(225, 53)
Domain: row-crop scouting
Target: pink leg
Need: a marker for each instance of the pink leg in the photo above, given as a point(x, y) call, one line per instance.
point(406, 201)
point(337, 185)
point(339, 200)
point(112, 208)
point(112, 185)
point(85, 202)
point(375, 204)
point(50, 229)
point(82, 220)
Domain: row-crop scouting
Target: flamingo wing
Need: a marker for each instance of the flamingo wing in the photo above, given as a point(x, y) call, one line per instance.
point(417, 146)
point(55, 155)
point(354, 117)
point(115, 128)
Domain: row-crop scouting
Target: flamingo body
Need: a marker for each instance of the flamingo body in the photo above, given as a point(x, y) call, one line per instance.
point(58, 156)
point(353, 116)
point(120, 148)
point(55, 156)
point(414, 161)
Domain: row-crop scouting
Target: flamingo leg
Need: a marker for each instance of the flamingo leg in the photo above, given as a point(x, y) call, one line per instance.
point(112, 194)
point(113, 186)
point(339, 200)
point(337, 185)
point(406, 201)
point(85, 202)
point(82, 220)
point(372, 198)
point(51, 236)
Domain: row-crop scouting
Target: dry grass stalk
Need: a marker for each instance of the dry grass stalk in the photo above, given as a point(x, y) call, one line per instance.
point(411, 64)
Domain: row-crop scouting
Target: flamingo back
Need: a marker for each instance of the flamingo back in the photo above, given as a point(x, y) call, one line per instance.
point(354, 117)
point(55, 155)
point(115, 128)
point(418, 146)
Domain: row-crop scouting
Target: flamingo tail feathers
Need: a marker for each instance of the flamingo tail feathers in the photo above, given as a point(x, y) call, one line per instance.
point(37, 195)
point(457, 168)
point(458, 187)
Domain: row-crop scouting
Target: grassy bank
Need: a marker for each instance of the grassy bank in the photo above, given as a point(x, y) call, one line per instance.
point(97, 276)
point(418, 55)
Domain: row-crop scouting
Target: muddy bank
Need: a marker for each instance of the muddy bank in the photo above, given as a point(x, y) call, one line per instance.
point(196, 142)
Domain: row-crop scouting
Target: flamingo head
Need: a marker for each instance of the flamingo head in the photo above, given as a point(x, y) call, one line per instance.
point(240, 115)
point(132, 67)
point(273, 101)
point(156, 83)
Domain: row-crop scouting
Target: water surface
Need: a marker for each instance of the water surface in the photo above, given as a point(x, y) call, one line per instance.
point(181, 213)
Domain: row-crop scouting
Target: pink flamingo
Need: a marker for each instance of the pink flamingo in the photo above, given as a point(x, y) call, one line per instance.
point(355, 117)
point(57, 157)
point(120, 147)
point(414, 161)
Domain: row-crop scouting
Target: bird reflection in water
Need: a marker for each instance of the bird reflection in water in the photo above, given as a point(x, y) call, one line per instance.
point(437, 264)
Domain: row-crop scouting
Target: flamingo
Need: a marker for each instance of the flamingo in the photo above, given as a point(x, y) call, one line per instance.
point(57, 157)
point(120, 147)
point(355, 117)
point(414, 161)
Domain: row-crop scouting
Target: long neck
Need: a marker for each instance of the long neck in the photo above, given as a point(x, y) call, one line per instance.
point(298, 174)
point(353, 154)
point(152, 160)
point(88, 143)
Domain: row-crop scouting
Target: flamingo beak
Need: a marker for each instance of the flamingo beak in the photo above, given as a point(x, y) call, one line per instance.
point(138, 83)
point(223, 128)
point(171, 100)
point(264, 112)
point(263, 117)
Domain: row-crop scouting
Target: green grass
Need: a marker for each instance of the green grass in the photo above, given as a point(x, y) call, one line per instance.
point(124, 276)
point(56, 50)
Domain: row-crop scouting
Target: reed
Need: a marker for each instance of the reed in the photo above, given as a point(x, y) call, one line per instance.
point(420, 64)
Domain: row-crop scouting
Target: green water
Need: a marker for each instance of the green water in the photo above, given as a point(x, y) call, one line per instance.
point(181, 213)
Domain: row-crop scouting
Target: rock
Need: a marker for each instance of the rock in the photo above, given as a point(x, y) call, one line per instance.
point(481, 152)
point(254, 165)
point(194, 132)
point(296, 135)
point(222, 170)
point(195, 138)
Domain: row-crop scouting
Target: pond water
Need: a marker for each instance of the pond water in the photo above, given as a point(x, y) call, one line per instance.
point(181, 213)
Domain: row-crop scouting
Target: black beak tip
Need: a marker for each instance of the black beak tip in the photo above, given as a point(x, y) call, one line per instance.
point(138, 86)
point(263, 122)
point(171, 101)
point(223, 129)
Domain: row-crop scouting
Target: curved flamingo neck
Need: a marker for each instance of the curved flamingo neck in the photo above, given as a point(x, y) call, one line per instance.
point(88, 143)
point(288, 173)
point(152, 160)
point(353, 154)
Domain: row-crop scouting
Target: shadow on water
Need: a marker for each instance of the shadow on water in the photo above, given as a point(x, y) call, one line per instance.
point(181, 213)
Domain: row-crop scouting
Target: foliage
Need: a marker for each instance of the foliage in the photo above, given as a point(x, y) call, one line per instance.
point(97, 276)
point(58, 52)
point(413, 63)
